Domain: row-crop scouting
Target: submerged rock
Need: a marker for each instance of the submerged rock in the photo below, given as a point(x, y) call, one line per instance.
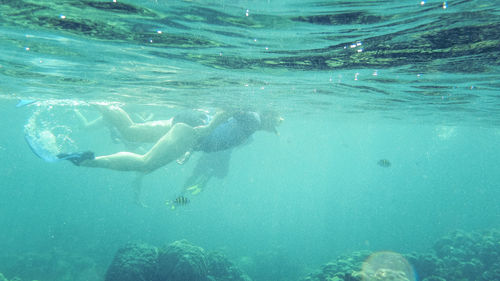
point(181, 261)
point(221, 269)
point(178, 261)
point(344, 268)
point(464, 256)
point(135, 261)
point(55, 264)
point(274, 263)
point(426, 264)
point(469, 255)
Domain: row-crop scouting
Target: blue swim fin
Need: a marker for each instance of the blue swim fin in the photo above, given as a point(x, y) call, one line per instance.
point(22, 103)
point(40, 151)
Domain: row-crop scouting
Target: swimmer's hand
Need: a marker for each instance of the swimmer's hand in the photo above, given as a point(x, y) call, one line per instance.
point(219, 118)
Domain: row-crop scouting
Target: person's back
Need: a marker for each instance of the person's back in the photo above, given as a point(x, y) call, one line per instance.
point(235, 131)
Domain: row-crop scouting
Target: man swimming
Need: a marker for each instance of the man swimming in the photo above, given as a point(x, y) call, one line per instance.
point(175, 138)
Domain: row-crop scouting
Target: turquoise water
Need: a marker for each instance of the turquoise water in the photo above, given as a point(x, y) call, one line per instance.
point(412, 82)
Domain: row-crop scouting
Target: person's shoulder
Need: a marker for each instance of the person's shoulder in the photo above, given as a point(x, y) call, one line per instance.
point(246, 116)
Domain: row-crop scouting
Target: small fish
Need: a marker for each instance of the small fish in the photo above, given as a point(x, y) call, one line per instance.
point(384, 163)
point(179, 201)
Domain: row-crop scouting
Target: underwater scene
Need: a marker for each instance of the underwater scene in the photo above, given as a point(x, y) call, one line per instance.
point(264, 140)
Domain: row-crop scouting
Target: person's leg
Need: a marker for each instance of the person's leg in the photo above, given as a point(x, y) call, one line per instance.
point(86, 123)
point(116, 116)
point(209, 165)
point(150, 131)
point(171, 146)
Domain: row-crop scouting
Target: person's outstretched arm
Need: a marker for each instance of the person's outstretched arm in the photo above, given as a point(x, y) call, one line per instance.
point(219, 118)
point(85, 123)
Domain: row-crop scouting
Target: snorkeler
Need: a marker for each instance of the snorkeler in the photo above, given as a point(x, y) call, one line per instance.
point(183, 134)
point(209, 165)
point(175, 138)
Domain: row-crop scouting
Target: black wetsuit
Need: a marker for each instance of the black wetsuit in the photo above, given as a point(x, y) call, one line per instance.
point(235, 131)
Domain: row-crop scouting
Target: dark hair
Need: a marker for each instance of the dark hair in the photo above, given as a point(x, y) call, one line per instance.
point(192, 118)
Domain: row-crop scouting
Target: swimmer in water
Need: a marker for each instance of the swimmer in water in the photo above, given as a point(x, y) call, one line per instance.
point(174, 138)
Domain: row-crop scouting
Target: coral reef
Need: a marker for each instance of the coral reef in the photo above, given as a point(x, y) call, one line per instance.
point(55, 264)
point(221, 269)
point(178, 261)
point(182, 261)
point(343, 268)
point(469, 256)
point(275, 264)
point(135, 261)
point(2, 278)
point(459, 256)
